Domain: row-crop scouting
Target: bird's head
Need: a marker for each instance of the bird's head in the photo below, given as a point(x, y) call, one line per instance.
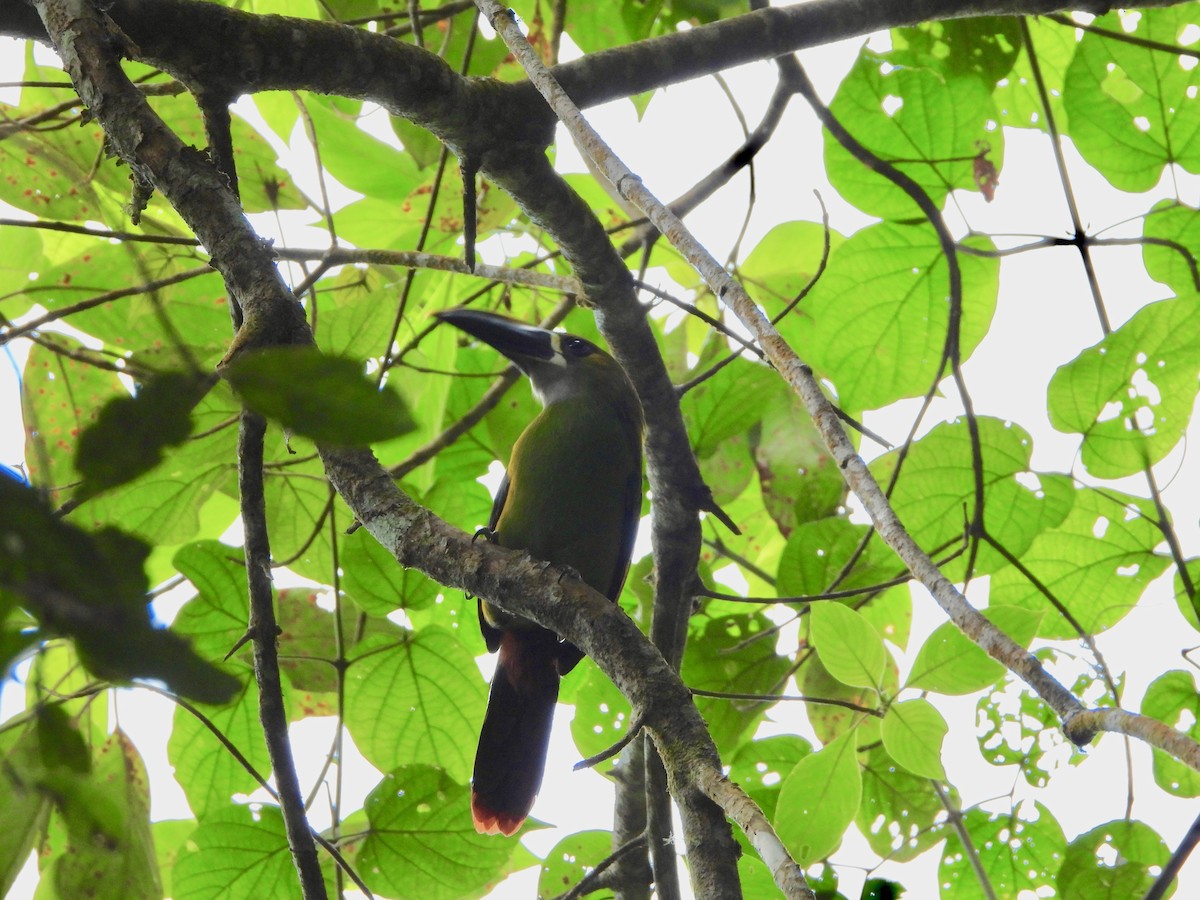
point(560, 366)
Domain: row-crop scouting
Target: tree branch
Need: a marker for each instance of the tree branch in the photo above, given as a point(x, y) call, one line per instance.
point(262, 625)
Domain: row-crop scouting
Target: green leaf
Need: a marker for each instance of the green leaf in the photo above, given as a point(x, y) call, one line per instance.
point(300, 502)
point(818, 801)
point(357, 159)
point(1096, 563)
point(1131, 395)
point(756, 880)
point(23, 254)
point(719, 659)
point(92, 588)
point(900, 814)
point(307, 643)
point(1017, 728)
point(422, 844)
point(124, 865)
point(784, 261)
point(214, 619)
point(602, 715)
point(129, 434)
point(1172, 699)
point(378, 583)
point(572, 858)
point(891, 612)
point(24, 810)
point(60, 743)
point(419, 699)
point(1017, 95)
point(1173, 265)
point(799, 478)
point(932, 124)
point(327, 399)
point(357, 318)
point(831, 719)
point(760, 767)
point(62, 396)
point(951, 663)
point(935, 495)
point(58, 673)
point(170, 839)
point(1118, 859)
point(237, 853)
point(170, 504)
point(600, 26)
point(817, 552)
point(848, 644)
point(139, 322)
point(729, 403)
point(876, 323)
point(1018, 853)
point(204, 767)
point(985, 46)
point(43, 176)
point(913, 731)
point(1131, 108)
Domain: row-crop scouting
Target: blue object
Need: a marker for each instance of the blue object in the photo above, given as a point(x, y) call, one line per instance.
point(15, 474)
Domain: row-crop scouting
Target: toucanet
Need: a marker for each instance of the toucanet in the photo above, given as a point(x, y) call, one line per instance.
point(572, 495)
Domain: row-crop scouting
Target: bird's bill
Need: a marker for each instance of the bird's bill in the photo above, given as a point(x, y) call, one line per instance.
point(522, 344)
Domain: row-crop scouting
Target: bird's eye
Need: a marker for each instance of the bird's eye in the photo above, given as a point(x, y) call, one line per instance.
point(578, 347)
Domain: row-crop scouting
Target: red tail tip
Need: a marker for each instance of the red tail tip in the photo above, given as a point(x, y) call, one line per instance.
point(490, 821)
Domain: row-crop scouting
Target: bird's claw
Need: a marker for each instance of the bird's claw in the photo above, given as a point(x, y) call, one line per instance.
point(569, 572)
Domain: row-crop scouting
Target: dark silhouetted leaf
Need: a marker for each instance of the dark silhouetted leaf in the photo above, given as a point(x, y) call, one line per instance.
point(130, 433)
point(92, 588)
point(325, 398)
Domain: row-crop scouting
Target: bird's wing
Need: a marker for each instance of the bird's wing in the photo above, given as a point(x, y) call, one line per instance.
point(492, 634)
point(629, 527)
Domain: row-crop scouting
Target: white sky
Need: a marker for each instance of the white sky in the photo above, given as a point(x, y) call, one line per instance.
point(1044, 317)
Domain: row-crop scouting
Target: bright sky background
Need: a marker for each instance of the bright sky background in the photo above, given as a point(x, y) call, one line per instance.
point(1043, 318)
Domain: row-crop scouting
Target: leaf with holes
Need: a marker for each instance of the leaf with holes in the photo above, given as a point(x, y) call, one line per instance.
point(1095, 565)
point(1131, 395)
point(1118, 859)
point(1018, 851)
point(932, 123)
point(1172, 698)
point(1132, 109)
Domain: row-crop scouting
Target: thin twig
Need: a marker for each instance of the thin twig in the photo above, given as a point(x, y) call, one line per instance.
point(271, 709)
point(964, 837)
point(595, 880)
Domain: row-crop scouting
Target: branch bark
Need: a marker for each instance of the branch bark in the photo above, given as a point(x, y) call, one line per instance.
point(229, 52)
point(265, 632)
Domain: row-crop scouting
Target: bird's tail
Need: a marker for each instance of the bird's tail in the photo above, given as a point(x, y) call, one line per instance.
point(516, 732)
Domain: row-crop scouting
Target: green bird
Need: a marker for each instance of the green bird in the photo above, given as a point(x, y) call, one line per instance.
point(572, 495)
